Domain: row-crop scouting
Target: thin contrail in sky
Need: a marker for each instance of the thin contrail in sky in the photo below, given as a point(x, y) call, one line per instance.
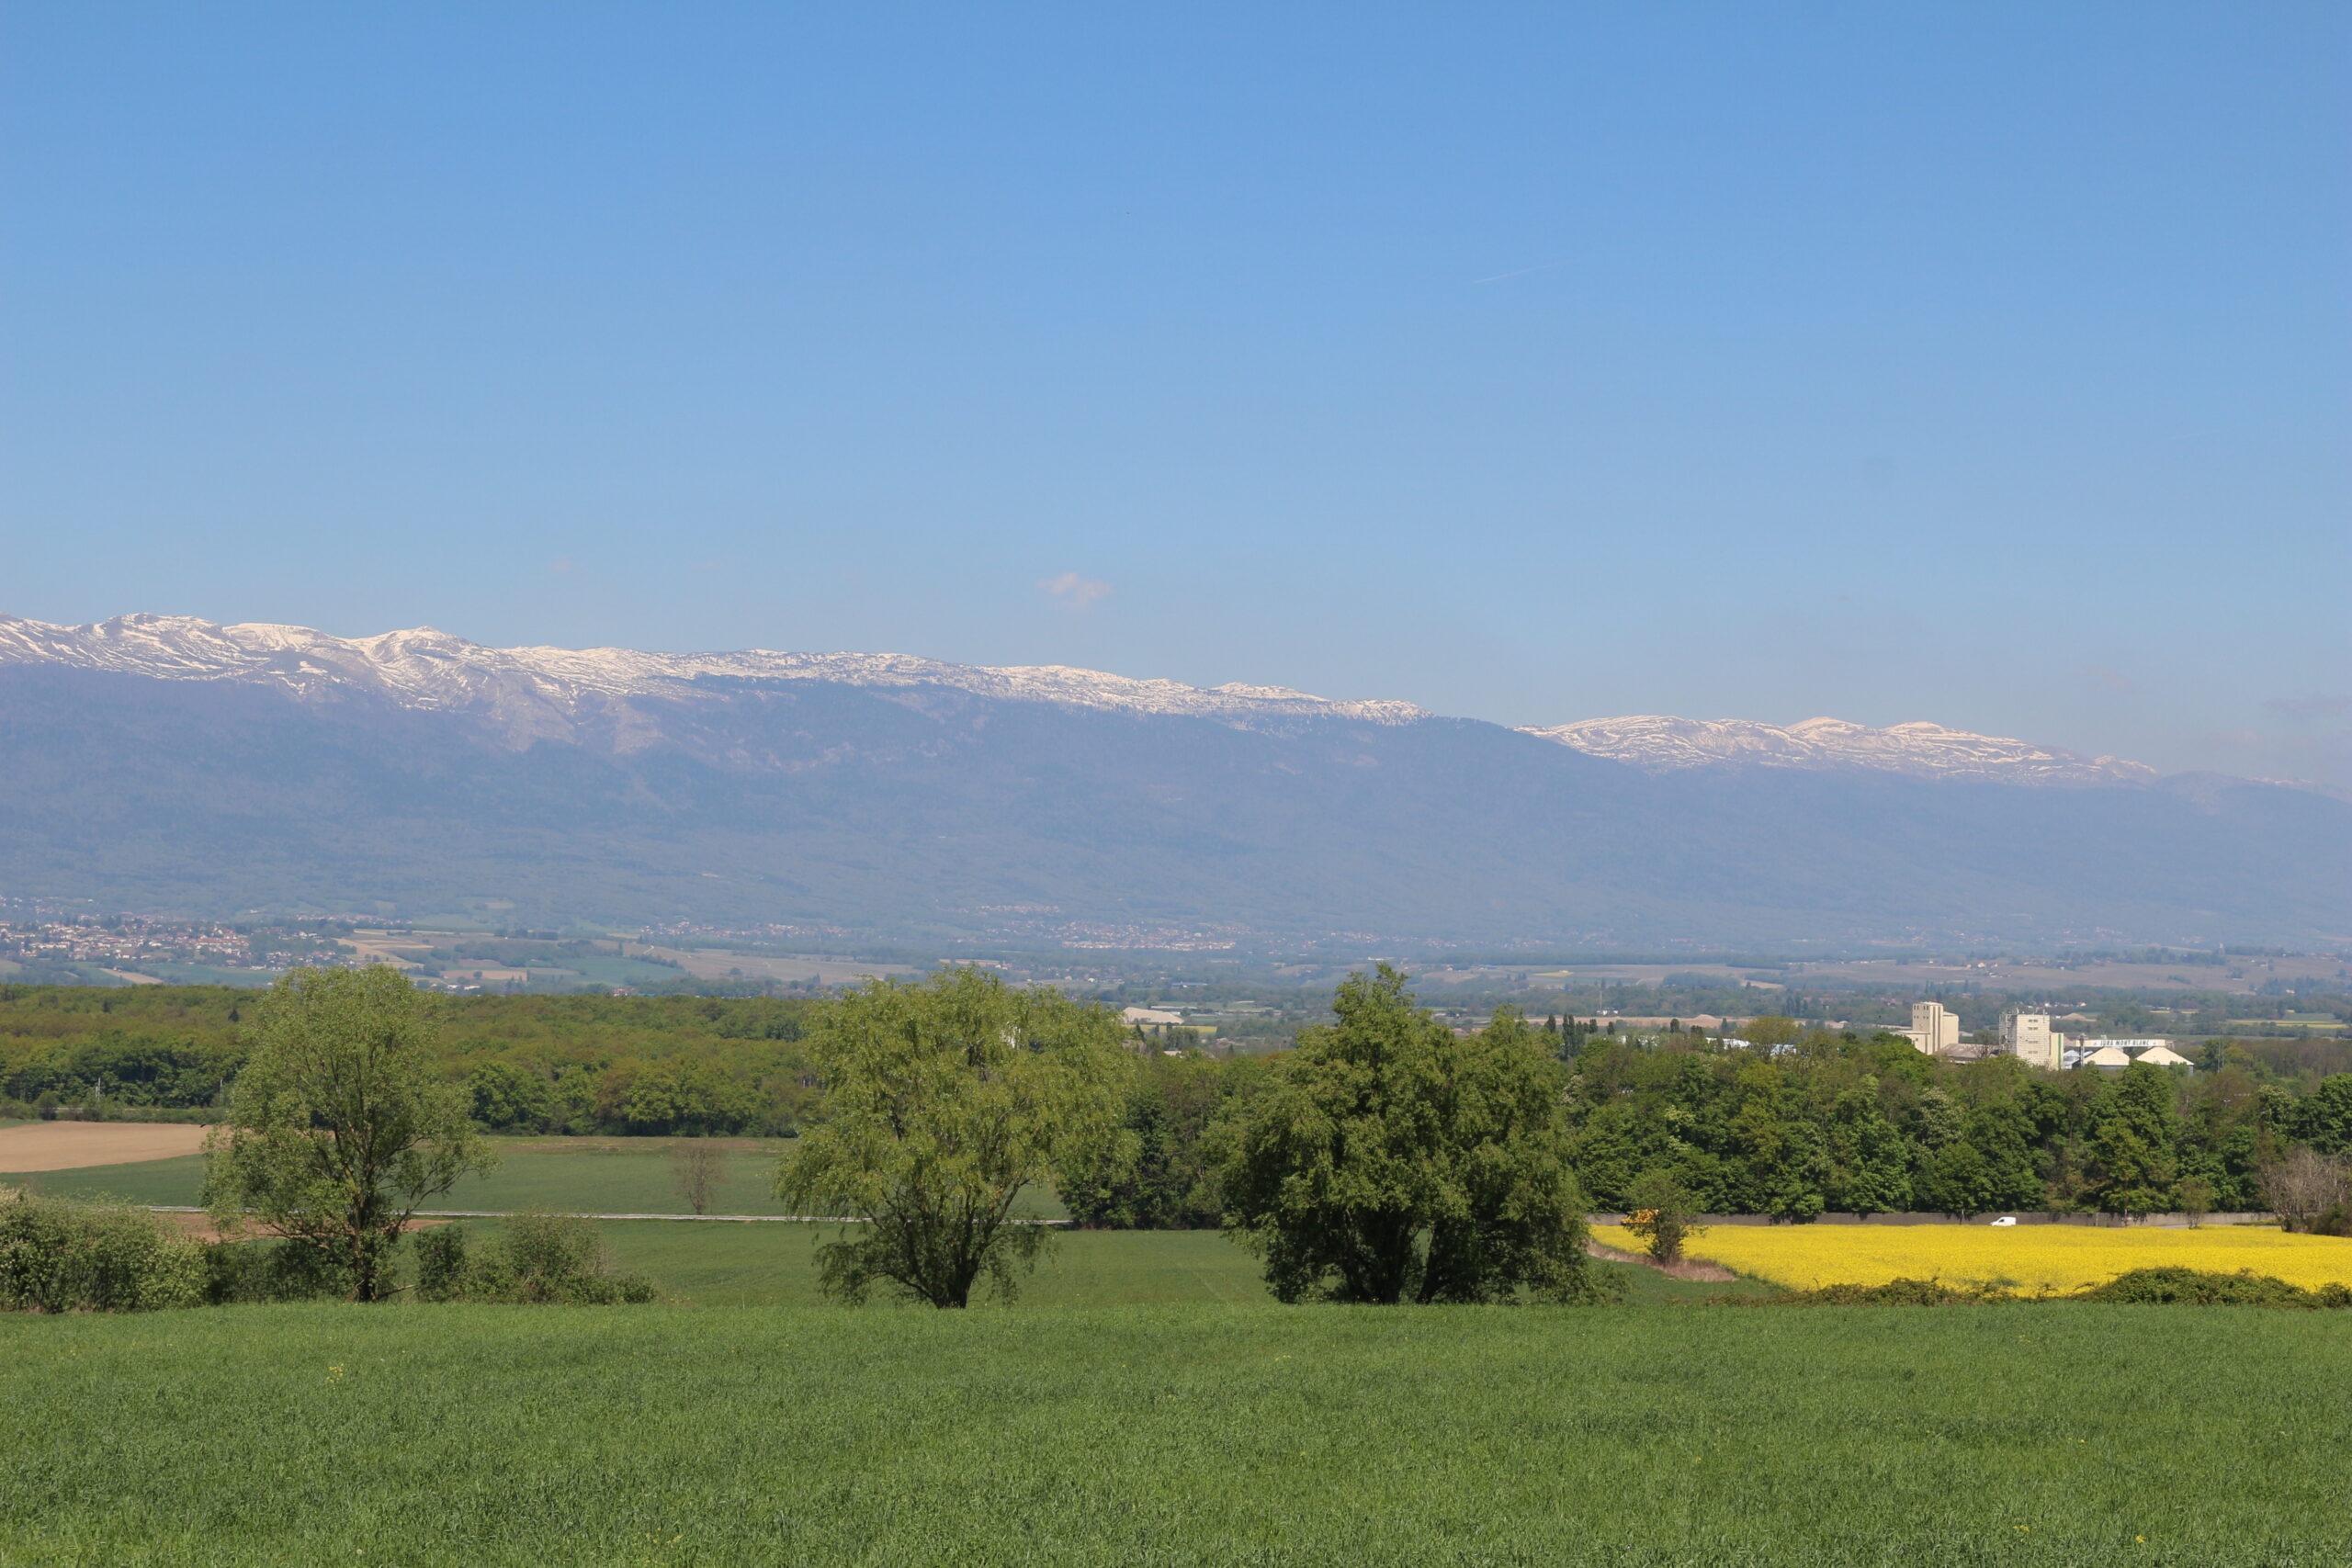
point(1523, 271)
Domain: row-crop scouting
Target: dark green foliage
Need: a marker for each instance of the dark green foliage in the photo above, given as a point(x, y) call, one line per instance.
point(2324, 1118)
point(2134, 1129)
point(1872, 1127)
point(1387, 1160)
point(532, 1064)
point(59, 1256)
point(536, 1260)
point(1894, 1292)
point(2139, 1286)
point(2191, 1287)
point(113, 1068)
point(1160, 1179)
point(441, 1263)
point(245, 1272)
point(1869, 1159)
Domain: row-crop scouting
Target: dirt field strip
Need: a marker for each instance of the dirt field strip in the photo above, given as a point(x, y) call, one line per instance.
point(1694, 1269)
point(70, 1145)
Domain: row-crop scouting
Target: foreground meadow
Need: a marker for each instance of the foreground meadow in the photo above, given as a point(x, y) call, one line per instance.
point(2025, 1258)
point(1214, 1435)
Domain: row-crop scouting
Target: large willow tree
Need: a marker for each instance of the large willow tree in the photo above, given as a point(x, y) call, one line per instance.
point(340, 1124)
point(945, 1100)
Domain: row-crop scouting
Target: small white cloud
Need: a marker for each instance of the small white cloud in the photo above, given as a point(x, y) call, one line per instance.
point(1077, 590)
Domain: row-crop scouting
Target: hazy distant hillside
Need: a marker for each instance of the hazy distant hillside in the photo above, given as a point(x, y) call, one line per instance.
point(170, 765)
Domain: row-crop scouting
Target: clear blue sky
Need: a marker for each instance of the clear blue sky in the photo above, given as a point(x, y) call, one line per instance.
point(1988, 364)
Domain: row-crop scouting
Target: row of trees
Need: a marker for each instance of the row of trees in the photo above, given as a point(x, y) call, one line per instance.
point(663, 1066)
point(1384, 1159)
point(1824, 1122)
point(1873, 1126)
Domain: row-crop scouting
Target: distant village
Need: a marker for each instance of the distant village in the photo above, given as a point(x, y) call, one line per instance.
point(2026, 1034)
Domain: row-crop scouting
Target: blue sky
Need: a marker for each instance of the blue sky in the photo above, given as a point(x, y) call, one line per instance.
point(1980, 363)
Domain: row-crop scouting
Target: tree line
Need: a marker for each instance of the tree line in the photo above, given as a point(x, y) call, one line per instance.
point(1385, 1159)
point(582, 1064)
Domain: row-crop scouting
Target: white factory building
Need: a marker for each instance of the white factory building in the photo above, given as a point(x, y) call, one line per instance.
point(2027, 1035)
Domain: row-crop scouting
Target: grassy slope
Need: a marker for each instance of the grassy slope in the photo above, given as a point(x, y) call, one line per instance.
point(1233, 1435)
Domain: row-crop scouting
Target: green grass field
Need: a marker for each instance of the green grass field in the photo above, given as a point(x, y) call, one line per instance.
point(594, 1176)
point(760, 1265)
point(1241, 1434)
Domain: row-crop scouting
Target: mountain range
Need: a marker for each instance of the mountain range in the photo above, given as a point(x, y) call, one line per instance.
point(170, 763)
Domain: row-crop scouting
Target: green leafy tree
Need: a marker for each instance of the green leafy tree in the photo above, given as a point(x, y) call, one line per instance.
point(340, 1127)
point(2134, 1129)
point(1779, 1144)
point(2324, 1121)
point(1387, 1160)
point(1958, 1180)
point(1663, 1214)
point(944, 1102)
point(507, 1096)
point(1156, 1177)
point(2001, 1135)
point(1869, 1158)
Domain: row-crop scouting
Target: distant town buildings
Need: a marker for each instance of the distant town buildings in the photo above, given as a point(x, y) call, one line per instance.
point(2029, 1037)
point(2122, 1054)
point(2026, 1034)
point(1933, 1029)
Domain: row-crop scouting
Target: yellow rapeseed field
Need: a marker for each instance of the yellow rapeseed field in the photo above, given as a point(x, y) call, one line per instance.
point(2029, 1259)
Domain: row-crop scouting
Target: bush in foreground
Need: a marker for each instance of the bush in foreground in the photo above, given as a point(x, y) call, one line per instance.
point(57, 1255)
point(2138, 1287)
point(2193, 1287)
point(541, 1261)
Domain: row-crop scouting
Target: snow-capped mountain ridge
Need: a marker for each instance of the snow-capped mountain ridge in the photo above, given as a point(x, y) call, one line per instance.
point(544, 694)
point(425, 668)
point(169, 763)
point(1659, 744)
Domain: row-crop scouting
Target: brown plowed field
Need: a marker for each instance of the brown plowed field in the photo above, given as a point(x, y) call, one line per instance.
point(70, 1145)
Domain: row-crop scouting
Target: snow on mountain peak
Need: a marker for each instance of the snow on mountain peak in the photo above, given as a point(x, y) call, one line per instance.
point(425, 668)
point(1658, 744)
point(543, 693)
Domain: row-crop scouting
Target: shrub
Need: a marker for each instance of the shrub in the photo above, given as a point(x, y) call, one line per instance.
point(1894, 1292)
point(57, 1255)
point(441, 1264)
point(2193, 1287)
point(1663, 1211)
point(243, 1272)
point(542, 1260)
